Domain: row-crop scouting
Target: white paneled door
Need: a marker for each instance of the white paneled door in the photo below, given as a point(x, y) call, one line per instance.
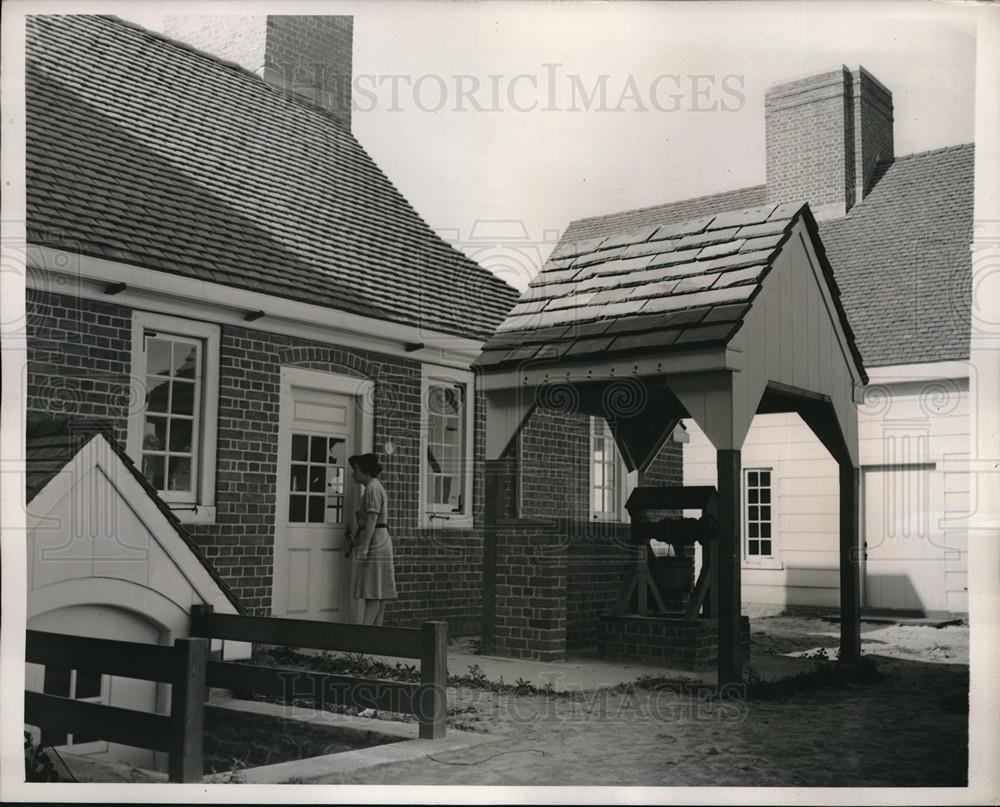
point(905, 553)
point(315, 499)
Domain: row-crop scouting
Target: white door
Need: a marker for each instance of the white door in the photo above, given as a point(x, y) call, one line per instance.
point(315, 500)
point(904, 550)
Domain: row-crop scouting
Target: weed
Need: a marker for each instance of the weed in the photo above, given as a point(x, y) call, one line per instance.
point(38, 766)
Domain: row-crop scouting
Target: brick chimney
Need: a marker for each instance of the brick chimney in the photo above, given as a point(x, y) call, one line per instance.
point(309, 55)
point(826, 134)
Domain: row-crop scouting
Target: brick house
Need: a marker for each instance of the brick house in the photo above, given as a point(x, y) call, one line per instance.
point(223, 279)
point(897, 232)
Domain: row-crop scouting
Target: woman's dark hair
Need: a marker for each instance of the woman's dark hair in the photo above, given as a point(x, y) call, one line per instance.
point(366, 463)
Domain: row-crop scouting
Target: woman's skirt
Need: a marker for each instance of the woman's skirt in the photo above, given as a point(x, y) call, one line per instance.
point(375, 576)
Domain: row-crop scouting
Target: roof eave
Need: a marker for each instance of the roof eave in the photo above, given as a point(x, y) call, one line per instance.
point(703, 359)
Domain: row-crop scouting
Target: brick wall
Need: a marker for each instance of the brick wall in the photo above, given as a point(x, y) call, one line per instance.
point(558, 571)
point(78, 358)
point(311, 55)
point(810, 140)
point(531, 583)
point(554, 454)
point(239, 39)
point(78, 364)
point(873, 135)
point(681, 644)
point(600, 562)
point(825, 136)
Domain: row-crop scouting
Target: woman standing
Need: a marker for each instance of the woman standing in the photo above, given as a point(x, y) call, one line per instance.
point(375, 578)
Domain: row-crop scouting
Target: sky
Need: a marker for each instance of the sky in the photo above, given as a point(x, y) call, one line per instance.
point(531, 145)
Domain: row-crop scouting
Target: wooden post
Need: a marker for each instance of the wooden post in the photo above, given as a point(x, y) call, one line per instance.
point(709, 551)
point(727, 565)
point(188, 694)
point(433, 696)
point(200, 614)
point(850, 563)
point(187, 711)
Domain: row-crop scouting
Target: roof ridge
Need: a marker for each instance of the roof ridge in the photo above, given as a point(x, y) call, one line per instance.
point(709, 196)
point(688, 199)
point(929, 152)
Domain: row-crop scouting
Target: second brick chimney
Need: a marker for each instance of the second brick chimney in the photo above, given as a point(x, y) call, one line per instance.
point(309, 55)
point(826, 135)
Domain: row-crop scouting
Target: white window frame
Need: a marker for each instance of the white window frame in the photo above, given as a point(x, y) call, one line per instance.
point(756, 561)
point(623, 479)
point(199, 508)
point(428, 515)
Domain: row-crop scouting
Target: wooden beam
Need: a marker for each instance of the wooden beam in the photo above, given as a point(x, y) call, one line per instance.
point(432, 697)
point(701, 587)
point(506, 412)
point(52, 713)
point(621, 607)
point(850, 563)
point(187, 711)
point(107, 656)
point(640, 438)
point(727, 562)
point(379, 640)
point(709, 553)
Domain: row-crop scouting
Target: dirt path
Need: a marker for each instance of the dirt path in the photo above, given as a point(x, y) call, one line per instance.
point(909, 729)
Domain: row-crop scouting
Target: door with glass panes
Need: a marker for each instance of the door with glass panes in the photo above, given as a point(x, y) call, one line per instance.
point(316, 498)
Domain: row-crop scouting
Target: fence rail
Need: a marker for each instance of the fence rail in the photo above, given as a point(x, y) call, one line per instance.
point(373, 639)
point(428, 643)
point(183, 666)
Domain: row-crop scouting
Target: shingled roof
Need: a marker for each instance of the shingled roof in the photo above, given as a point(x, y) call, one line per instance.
point(53, 441)
point(146, 151)
point(903, 262)
point(900, 257)
point(673, 286)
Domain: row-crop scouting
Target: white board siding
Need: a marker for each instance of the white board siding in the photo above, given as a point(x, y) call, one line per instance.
point(793, 336)
point(914, 423)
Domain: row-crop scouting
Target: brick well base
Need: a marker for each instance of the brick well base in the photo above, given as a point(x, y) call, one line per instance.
point(687, 644)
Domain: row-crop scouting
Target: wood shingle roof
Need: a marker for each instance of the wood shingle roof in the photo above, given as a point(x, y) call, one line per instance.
point(673, 286)
point(900, 257)
point(146, 151)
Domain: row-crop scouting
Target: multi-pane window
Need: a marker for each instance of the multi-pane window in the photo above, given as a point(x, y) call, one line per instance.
point(446, 444)
point(759, 523)
point(446, 447)
point(174, 377)
point(76, 684)
point(318, 479)
point(607, 472)
point(172, 423)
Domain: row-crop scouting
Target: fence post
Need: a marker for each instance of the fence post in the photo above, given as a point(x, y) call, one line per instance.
point(433, 699)
point(187, 711)
point(200, 615)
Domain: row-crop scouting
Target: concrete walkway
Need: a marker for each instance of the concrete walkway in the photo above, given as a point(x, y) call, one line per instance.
point(585, 671)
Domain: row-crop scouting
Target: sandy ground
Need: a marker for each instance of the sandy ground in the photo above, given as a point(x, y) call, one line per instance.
point(909, 729)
